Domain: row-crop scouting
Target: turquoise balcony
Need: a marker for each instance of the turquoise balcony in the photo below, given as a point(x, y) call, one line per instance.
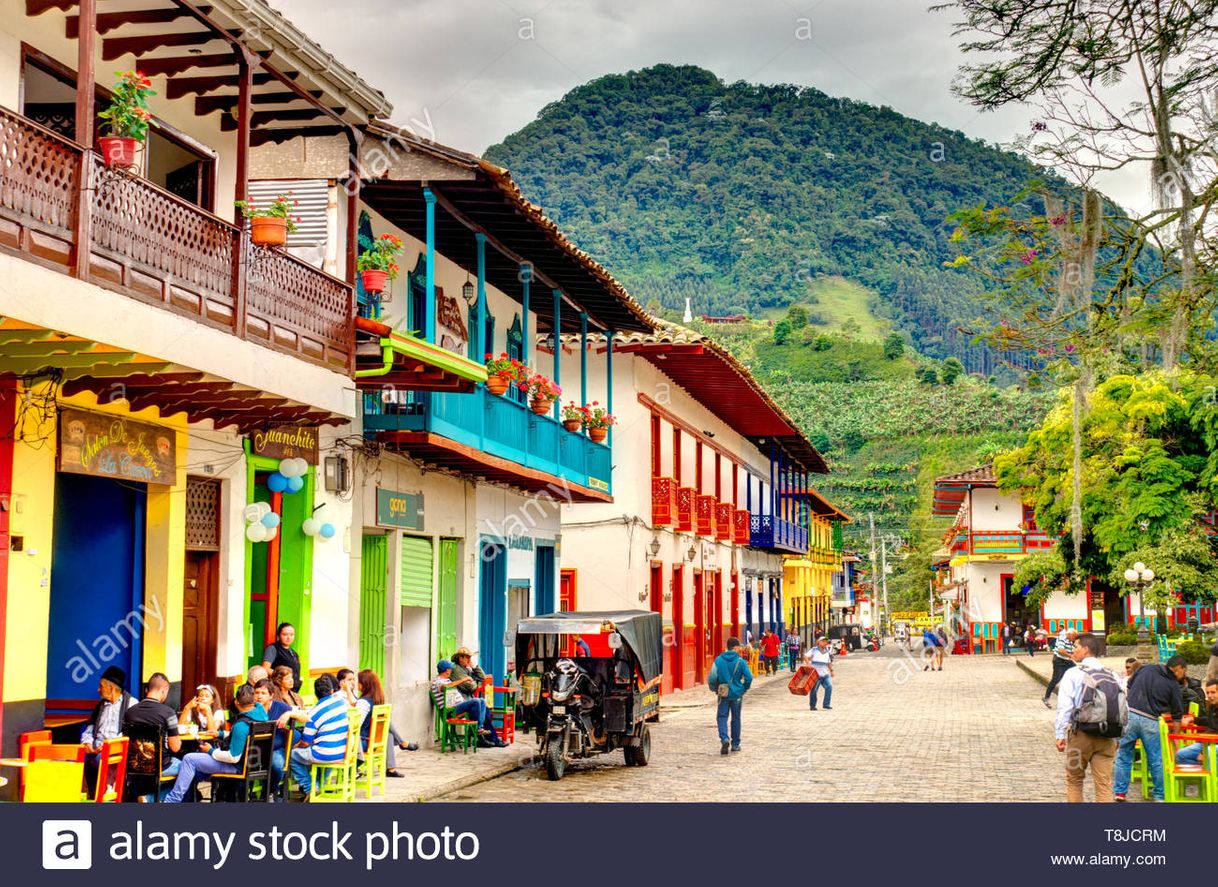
point(484, 435)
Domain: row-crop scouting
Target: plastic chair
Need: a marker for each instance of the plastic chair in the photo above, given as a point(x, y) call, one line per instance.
point(41, 737)
point(375, 760)
point(1177, 776)
point(111, 771)
point(254, 770)
point(53, 781)
point(454, 731)
point(1140, 771)
point(336, 781)
point(503, 715)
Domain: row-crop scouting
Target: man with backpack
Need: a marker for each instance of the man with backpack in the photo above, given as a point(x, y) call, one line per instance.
point(1091, 714)
point(729, 679)
point(1154, 691)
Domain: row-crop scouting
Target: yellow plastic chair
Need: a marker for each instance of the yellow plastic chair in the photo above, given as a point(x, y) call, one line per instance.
point(378, 742)
point(336, 781)
point(54, 782)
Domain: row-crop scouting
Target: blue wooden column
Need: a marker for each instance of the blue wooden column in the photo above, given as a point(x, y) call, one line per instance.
point(480, 311)
point(557, 349)
point(583, 357)
point(609, 378)
point(526, 276)
point(429, 310)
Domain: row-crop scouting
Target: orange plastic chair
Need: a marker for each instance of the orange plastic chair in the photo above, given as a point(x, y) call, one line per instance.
point(47, 752)
point(42, 737)
point(111, 771)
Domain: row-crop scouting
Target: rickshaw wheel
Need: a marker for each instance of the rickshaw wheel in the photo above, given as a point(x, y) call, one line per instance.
point(556, 761)
point(639, 755)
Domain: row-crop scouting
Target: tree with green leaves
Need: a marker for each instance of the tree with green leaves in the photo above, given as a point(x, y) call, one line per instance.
point(782, 332)
point(797, 316)
point(951, 370)
point(894, 346)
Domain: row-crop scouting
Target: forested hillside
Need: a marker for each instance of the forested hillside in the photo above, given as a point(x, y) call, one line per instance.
point(745, 198)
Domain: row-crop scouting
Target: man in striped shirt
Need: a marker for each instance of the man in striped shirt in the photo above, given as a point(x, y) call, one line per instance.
point(324, 740)
point(1063, 661)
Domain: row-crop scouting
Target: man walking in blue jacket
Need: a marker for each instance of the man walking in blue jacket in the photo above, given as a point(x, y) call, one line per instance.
point(729, 679)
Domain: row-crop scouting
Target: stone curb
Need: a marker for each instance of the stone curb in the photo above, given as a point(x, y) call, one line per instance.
point(1032, 672)
point(503, 768)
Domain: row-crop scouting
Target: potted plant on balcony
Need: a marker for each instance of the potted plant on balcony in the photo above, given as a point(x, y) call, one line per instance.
point(597, 420)
point(379, 263)
point(542, 393)
point(270, 225)
point(502, 373)
point(127, 119)
point(573, 417)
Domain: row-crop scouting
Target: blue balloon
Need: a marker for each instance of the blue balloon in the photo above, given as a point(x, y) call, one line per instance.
point(276, 483)
point(295, 484)
point(271, 520)
point(327, 531)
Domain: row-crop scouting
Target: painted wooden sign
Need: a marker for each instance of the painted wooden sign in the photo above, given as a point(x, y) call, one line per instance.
point(107, 445)
point(286, 442)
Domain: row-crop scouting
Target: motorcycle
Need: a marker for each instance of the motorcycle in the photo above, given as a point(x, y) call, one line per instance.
point(573, 699)
point(873, 643)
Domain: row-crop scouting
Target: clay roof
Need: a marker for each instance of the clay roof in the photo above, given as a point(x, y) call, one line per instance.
point(951, 489)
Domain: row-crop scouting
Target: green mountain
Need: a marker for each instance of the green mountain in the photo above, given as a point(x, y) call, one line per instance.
point(748, 198)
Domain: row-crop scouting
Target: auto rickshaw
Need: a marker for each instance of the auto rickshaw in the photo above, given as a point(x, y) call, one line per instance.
point(590, 682)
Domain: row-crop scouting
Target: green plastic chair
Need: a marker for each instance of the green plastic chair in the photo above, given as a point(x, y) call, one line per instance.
point(1177, 776)
point(336, 781)
point(1140, 771)
point(453, 731)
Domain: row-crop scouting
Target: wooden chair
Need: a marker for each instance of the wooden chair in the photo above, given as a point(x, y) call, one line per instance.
point(1177, 776)
point(336, 781)
point(375, 755)
point(111, 771)
point(146, 763)
point(53, 781)
point(253, 772)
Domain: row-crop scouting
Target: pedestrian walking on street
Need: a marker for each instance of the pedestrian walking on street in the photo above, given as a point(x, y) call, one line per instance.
point(1008, 634)
point(793, 642)
point(729, 680)
point(1154, 691)
point(930, 642)
point(1029, 640)
point(1091, 714)
point(1063, 661)
point(770, 643)
point(820, 658)
point(940, 648)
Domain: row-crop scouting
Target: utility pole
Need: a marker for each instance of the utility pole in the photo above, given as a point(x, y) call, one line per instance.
point(871, 520)
point(884, 573)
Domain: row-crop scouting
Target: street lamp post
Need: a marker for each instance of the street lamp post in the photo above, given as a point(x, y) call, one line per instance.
point(1141, 577)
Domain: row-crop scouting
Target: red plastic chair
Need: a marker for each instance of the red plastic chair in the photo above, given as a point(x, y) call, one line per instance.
point(111, 770)
point(42, 737)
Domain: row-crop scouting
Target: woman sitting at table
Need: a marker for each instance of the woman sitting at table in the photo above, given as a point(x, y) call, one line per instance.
point(282, 683)
point(208, 761)
point(274, 708)
point(372, 693)
point(204, 710)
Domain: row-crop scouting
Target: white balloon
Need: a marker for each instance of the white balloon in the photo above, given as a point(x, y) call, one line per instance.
point(271, 533)
point(287, 467)
point(252, 513)
point(264, 508)
point(302, 466)
point(311, 526)
point(256, 533)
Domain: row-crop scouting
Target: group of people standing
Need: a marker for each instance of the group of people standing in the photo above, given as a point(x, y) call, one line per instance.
point(1030, 637)
point(1102, 717)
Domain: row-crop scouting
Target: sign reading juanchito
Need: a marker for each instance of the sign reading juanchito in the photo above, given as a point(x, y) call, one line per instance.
point(106, 445)
point(403, 511)
point(286, 442)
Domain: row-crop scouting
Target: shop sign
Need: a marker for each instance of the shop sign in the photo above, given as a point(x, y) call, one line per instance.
point(286, 442)
point(403, 511)
point(106, 445)
point(520, 542)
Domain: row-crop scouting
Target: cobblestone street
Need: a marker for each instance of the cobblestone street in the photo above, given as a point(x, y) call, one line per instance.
point(976, 731)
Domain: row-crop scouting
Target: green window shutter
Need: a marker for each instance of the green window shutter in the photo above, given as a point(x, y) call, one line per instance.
point(416, 572)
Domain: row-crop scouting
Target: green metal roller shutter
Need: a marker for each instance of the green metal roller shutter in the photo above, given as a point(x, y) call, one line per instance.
point(417, 560)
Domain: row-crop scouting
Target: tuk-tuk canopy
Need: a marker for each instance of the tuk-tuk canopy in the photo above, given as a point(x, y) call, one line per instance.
point(642, 632)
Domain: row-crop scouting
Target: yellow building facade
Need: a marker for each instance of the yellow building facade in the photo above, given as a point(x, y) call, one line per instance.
point(808, 579)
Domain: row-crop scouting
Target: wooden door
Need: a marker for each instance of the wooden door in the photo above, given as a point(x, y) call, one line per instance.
point(200, 614)
point(717, 638)
point(700, 628)
point(678, 627)
point(656, 587)
point(374, 581)
point(567, 590)
point(735, 592)
point(446, 600)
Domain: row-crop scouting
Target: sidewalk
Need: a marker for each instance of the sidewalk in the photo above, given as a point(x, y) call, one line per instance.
point(429, 774)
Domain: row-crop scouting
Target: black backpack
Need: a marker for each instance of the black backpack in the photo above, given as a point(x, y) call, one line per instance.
point(1102, 710)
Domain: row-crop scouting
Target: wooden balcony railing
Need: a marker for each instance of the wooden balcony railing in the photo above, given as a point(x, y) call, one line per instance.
point(685, 509)
point(705, 517)
point(57, 200)
point(723, 521)
point(663, 501)
point(740, 526)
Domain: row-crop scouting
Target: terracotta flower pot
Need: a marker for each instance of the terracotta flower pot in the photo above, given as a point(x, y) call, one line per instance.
point(540, 405)
point(497, 385)
point(572, 425)
point(118, 150)
point(375, 281)
point(598, 435)
point(268, 231)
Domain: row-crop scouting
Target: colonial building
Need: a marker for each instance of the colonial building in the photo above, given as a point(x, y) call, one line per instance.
point(810, 577)
point(156, 367)
point(710, 484)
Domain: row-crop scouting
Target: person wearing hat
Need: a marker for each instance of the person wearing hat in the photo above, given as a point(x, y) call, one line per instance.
point(475, 709)
point(106, 720)
point(466, 677)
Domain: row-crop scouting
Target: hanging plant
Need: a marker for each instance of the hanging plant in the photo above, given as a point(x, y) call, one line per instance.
point(270, 225)
point(378, 264)
point(127, 119)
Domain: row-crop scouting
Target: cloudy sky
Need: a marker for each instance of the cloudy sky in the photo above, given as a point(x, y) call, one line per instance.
point(477, 70)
